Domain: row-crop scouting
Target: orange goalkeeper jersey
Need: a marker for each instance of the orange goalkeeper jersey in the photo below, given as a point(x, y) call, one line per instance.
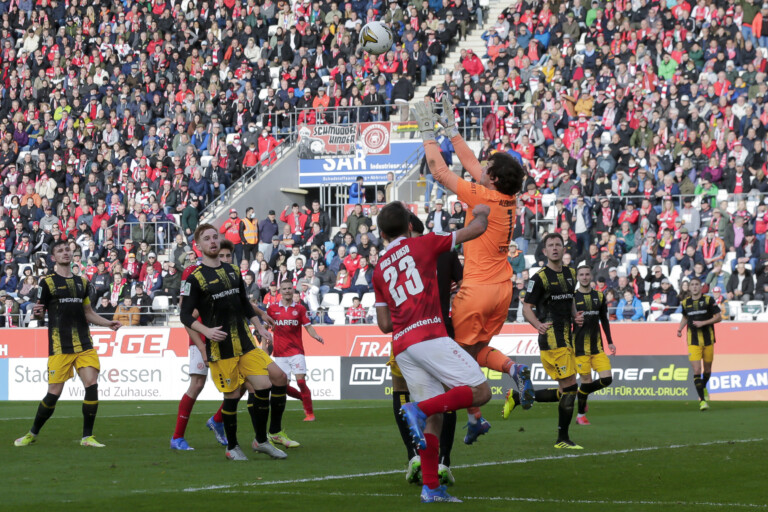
point(485, 258)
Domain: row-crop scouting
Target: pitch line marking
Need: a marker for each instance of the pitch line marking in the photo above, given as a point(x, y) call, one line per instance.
point(26, 418)
point(507, 498)
point(475, 465)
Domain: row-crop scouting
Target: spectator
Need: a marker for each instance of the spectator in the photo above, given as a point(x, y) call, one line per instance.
point(294, 220)
point(190, 218)
point(267, 231)
point(665, 301)
point(630, 308)
point(437, 219)
point(126, 313)
point(357, 191)
point(105, 308)
point(741, 285)
point(231, 230)
point(356, 218)
point(249, 234)
point(356, 313)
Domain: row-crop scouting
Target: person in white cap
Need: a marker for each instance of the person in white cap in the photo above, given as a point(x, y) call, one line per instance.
point(437, 219)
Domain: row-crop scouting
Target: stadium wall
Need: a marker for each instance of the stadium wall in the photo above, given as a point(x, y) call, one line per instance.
point(151, 363)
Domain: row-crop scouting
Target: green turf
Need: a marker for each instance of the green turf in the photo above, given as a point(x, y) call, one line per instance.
point(663, 456)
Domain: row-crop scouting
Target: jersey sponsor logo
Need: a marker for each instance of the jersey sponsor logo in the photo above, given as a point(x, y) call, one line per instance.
point(287, 322)
point(420, 323)
point(76, 300)
point(146, 342)
point(369, 374)
point(225, 293)
point(562, 296)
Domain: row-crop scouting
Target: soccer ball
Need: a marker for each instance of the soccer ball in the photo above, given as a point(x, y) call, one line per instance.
point(376, 38)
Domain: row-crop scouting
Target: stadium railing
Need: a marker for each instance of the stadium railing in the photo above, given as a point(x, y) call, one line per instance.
point(249, 175)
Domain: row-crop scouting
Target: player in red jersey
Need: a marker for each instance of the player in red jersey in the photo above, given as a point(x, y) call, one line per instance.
point(407, 305)
point(288, 348)
point(198, 372)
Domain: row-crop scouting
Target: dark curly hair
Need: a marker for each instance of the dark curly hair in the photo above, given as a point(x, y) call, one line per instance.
point(506, 172)
point(394, 220)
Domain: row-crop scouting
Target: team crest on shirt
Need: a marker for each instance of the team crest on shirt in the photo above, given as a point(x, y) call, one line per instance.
point(570, 281)
point(229, 381)
point(295, 313)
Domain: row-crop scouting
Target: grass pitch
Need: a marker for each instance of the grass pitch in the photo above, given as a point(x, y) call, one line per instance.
point(638, 456)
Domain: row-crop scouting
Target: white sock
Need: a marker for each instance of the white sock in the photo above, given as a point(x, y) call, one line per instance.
point(580, 415)
point(471, 418)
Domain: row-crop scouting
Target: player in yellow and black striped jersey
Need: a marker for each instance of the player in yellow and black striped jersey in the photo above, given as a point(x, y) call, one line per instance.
point(700, 314)
point(217, 291)
point(70, 346)
point(550, 291)
point(588, 341)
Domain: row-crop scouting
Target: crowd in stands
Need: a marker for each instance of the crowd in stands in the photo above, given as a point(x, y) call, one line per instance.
point(121, 121)
point(643, 127)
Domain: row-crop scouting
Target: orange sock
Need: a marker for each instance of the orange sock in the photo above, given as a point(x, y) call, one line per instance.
point(491, 358)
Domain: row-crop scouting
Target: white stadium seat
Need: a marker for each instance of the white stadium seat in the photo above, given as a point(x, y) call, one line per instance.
point(161, 303)
point(346, 300)
point(675, 317)
point(329, 300)
point(368, 300)
point(734, 308)
point(337, 315)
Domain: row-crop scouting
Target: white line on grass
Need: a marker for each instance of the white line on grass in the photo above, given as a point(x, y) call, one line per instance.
point(476, 465)
point(509, 498)
point(242, 409)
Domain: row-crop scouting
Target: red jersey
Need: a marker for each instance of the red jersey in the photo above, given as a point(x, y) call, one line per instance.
point(289, 321)
point(405, 280)
point(184, 275)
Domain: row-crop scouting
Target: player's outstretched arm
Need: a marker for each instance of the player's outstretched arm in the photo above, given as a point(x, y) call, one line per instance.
point(96, 319)
point(475, 228)
point(425, 117)
point(604, 321)
point(466, 156)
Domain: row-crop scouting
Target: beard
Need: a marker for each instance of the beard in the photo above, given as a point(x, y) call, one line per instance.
point(211, 253)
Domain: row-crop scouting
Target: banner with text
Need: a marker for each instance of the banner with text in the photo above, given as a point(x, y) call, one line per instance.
point(152, 363)
point(373, 167)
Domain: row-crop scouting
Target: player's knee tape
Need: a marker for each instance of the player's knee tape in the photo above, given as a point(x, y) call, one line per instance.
point(92, 393)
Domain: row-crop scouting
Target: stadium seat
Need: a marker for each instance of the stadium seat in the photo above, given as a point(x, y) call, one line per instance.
point(231, 138)
point(762, 317)
point(161, 303)
point(330, 300)
point(205, 161)
point(337, 314)
point(530, 260)
point(548, 200)
point(734, 308)
point(675, 317)
point(33, 323)
point(722, 195)
point(743, 316)
point(753, 307)
point(643, 270)
point(674, 276)
point(346, 300)
point(368, 300)
point(665, 270)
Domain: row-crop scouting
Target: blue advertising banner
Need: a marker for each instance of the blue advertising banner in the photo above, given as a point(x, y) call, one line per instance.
point(373, 168)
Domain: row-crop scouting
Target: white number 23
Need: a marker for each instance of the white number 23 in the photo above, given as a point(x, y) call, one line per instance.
point(413, 284)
